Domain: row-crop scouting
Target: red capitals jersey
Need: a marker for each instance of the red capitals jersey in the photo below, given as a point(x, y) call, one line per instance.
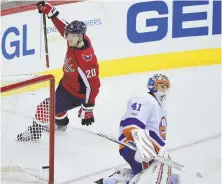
point(81, 69)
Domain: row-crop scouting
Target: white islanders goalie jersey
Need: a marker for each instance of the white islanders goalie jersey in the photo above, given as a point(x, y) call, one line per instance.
point(146, 113)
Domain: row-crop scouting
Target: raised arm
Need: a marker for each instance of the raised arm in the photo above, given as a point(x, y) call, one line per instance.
point(52, 14)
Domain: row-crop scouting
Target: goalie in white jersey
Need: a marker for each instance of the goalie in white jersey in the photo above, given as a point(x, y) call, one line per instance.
point(145, 117)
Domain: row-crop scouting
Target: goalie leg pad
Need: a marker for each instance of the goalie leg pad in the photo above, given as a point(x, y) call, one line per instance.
point(156, 173)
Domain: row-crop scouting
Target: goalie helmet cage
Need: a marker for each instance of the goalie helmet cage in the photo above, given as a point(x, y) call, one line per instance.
point(34, 80)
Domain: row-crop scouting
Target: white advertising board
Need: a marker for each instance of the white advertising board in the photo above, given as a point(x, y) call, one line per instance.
point(117, 30)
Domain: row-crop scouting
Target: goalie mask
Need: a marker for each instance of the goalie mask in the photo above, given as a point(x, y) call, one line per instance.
point(159, 85)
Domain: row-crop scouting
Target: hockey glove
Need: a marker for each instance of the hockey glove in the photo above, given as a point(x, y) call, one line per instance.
point(86, 114)
point(47, 9)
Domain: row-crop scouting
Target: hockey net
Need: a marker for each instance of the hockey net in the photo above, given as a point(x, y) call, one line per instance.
point(27, 161)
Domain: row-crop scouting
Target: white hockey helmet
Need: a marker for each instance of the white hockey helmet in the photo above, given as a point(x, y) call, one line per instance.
point(159, 85)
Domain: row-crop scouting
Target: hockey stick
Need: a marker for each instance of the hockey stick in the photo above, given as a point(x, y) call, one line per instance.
point(45, 35)
point(46, 41)
point(160, 159)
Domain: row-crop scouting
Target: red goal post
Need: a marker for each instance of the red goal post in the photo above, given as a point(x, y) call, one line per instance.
point(33, 81)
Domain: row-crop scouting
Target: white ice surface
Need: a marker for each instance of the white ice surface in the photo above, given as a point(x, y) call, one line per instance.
point(194, 113)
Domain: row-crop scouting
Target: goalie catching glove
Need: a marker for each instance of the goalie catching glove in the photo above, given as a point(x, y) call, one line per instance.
point(86, 114)
point(47, 9)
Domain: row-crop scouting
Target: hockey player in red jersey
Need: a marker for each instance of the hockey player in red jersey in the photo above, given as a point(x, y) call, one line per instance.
point(80, 83)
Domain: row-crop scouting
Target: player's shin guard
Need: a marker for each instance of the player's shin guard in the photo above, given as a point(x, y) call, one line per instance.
point(61, 121)
point(33, 133)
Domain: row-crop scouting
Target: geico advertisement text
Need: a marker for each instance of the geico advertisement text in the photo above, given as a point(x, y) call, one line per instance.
point(15, 42)
point(203, 18)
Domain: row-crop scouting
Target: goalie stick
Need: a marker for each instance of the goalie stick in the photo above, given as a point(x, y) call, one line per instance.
point(163, 160)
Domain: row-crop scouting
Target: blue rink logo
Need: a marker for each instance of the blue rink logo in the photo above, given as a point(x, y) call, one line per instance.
point(18, 47)
point(160, 24)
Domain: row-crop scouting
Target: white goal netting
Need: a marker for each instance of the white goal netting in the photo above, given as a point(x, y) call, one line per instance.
point(22, 98)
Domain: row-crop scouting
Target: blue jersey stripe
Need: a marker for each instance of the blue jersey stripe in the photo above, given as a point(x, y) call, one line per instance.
point(132, 121)
point(121, 137)
point(156, 138)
